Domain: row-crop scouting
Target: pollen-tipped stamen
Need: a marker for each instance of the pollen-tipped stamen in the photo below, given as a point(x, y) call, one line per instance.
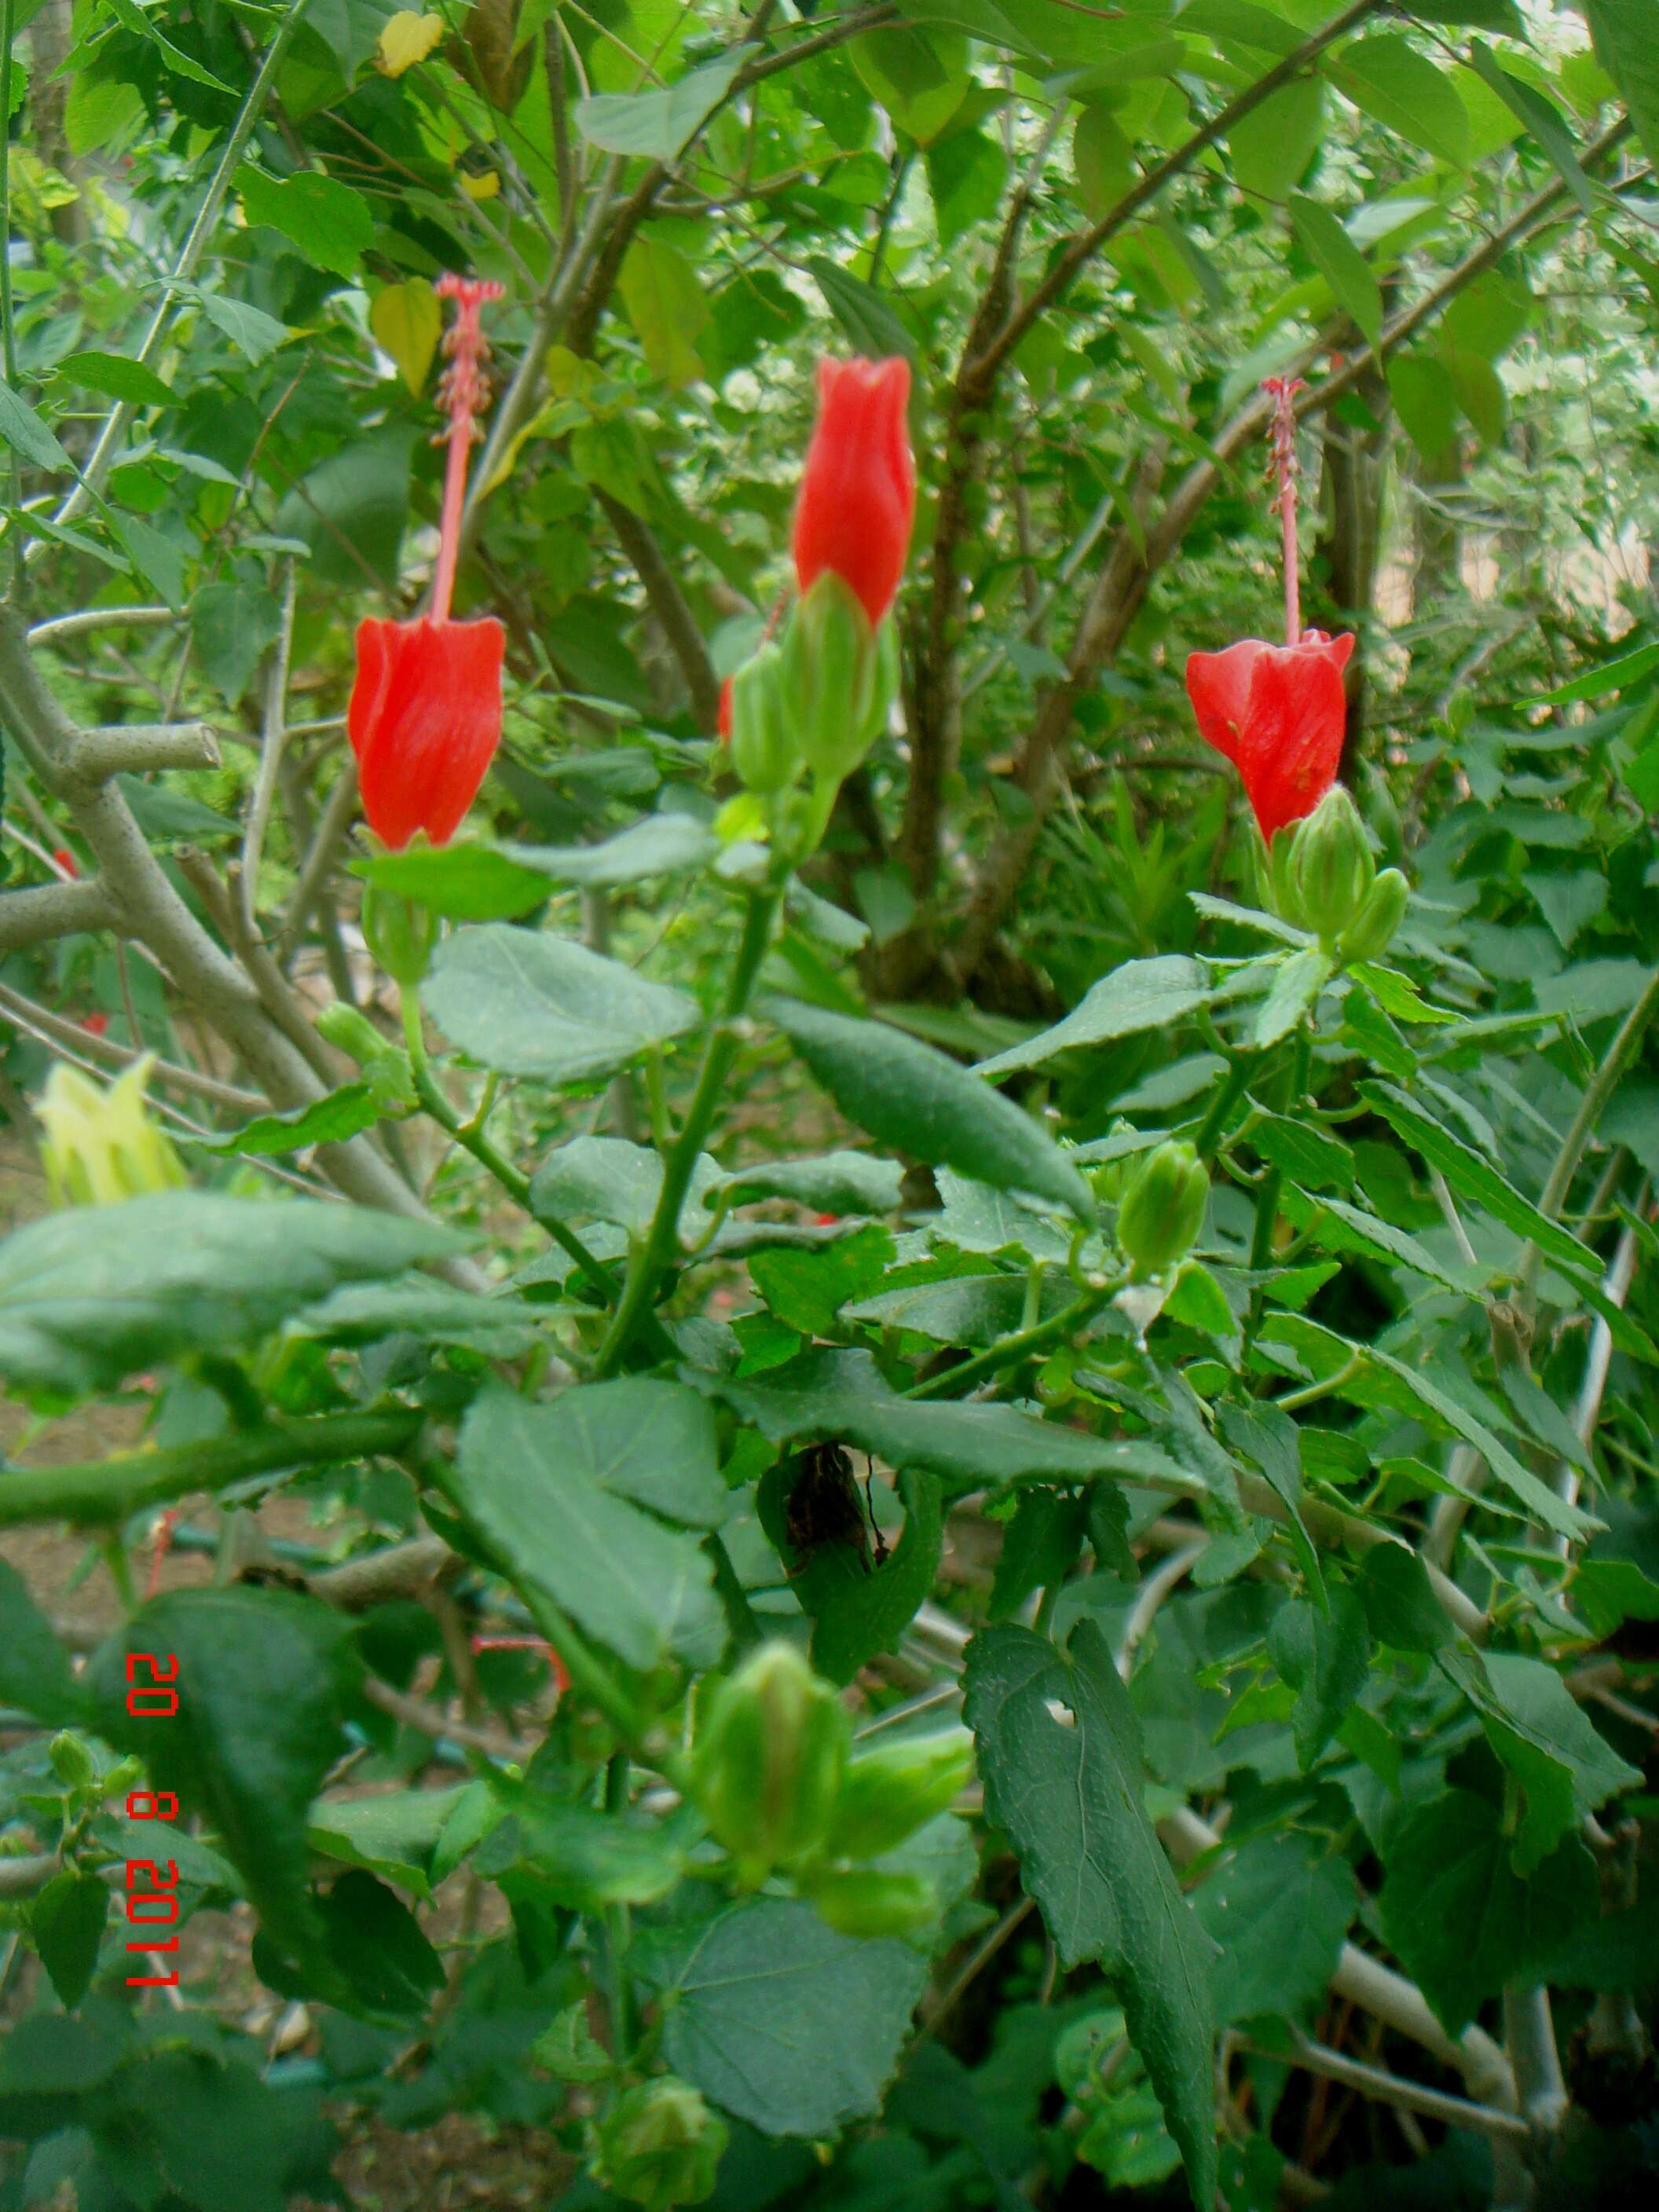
point(463, 393)
point(1282, 471)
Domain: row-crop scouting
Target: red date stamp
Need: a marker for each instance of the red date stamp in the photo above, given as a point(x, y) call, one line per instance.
point(152, 1884)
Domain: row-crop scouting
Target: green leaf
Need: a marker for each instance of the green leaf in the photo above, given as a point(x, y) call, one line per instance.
point(1069, 1799)
point(667, 306)
point(393, 1836)
point(170, 817)
point(576, 1855)
point(569, 2050)
point(865, 314)
point(1426, 399)
point(1402, 1609)
point(118, 377)
point(34, 1668)
point(1310, 1156)
point(1544, 122)
point(608, 1179)
point(781, 2020)
point(250, 330)
point(230, 626)
point(1277, 1912)
point(921, 77)
point(859, 1609)
point(1566, 1769)
point(133, 17)
point(1341, 263)
point(66, 1925)
point(1387, 78)
point(644, 1591)
point(489, 883)
point(916, 1100)
point(152, 556)
point(326, 1121)
point(28, 435)
point(364, 1313)
point(1143, 994)
point(1623, 32)
point(1611, 678)
point(1268, 1438)
point(1461, 1919)
point(656, 125)
point(1539, 1500)
point(525, 1004)
point(1272, 145)
point(1472, 1177)
point(1325, 1656)
point(375, 1944)
point(841, 1396)
point(1040, 1546)
point(92, 1294)
point(263, 1681)
point(1298, 982)
point(1336, 1226)
point(332, 225)
point(839, 1183)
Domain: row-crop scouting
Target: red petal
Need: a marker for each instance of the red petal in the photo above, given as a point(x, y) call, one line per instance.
point(1292, 734)
point(1219, 685)
point(858, 489)
point(435, 726)
point(377, 645)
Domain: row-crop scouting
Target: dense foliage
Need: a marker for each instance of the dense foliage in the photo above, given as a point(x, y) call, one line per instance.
point(975, 1475)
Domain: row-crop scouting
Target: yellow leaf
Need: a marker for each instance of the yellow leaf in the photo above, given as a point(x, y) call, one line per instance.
point(484, 187)
point(407, 321)
point(406, 39)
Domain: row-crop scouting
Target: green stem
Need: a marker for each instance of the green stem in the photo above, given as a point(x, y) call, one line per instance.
point(8, 329)
point(1023, 1344)
point(1214, 1126)
point(591, 1678)
point(109, 1490)
point(618, 1930)
point(651, 1258)
point(469, 1136)
point(1267, 1205)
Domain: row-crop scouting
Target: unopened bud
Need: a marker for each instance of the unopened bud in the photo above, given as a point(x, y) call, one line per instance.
point(831, 665)
point(1331, 864)
point(400, 933)
point(888, 1793)
point(1368, 935)
point(660, 2145)
point(863, 1902)
point(350, 1031)
point(768, 1765)
point(1163, 1208)
point(1276, 890)
point(100, 1146)
point(765, 749)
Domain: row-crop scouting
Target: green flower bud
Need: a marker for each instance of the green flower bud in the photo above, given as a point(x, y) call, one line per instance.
point(1331, 864)
point(1370, 933)
point(1275, 891)
point(888, 1793)
point(863, 1902)
point(660, 2145)
point(400, 932)
point(765, 751)
point(350, 1031)
point(767, 1768)
point(1106, 1179)
point(830, 679)
point(1163, 1208)
point(71, 1762)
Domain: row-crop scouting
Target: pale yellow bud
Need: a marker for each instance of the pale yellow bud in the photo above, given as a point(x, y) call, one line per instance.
point(100, 1146)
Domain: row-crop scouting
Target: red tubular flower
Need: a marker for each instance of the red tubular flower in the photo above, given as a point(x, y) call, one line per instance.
point(857, 494)
point(723, 721)
point(1277, 712)
point(425, 716)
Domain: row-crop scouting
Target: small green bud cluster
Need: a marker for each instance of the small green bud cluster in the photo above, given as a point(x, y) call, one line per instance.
point(1162, 1208)
point(385, 1065)
point(806, 709)
point(1320, 875)
point(775, 1777)
point(400, 933)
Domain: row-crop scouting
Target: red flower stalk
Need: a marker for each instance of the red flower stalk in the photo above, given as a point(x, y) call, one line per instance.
point(425, 716)
point(1277, 712)
point(857, 494)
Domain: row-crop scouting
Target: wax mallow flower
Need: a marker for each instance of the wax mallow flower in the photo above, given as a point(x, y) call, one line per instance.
point(425, 716)
point(858, 493)
point(1277, 712)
